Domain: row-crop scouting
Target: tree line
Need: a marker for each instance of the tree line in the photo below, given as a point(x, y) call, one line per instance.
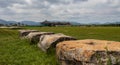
point(56, 23)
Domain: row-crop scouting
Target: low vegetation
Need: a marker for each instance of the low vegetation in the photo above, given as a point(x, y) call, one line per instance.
point(16, 51)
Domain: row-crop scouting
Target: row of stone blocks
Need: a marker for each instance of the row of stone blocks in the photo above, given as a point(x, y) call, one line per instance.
point(70, 51)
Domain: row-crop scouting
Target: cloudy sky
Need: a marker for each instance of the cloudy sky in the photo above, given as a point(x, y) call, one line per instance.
point(85, 11)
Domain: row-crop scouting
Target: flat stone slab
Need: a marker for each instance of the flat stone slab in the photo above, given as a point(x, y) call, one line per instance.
point(88, 52)
point(24, 33)
point(49, 41)
point(34, 36)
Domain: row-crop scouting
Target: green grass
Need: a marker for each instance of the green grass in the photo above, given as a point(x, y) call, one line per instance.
point(14, 51)
point(105, 33)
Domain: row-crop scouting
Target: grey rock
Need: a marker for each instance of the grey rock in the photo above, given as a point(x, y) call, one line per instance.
point(23, 33)
point(49, 41)
point(88, 52)
point(34, 36)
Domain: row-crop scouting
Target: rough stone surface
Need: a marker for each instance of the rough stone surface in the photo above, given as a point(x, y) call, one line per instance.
point(24, 33)
point(50, 41)
point(34, 36)
point(88, 52)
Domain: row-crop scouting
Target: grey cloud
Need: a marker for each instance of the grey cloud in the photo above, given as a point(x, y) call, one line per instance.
point(53, 1)
point(76, 1)
point(6, 3)
point(75, 10)
point(64, 1)
point(7, 12)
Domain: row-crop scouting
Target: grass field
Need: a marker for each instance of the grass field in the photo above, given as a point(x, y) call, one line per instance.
point(14, 51)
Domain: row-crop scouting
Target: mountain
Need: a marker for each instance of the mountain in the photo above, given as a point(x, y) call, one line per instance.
point(7, 22)
point(3, 22)
point(74, 23)
point(23, 22)
point(33, 23)
point(30, 23)
point(13, 22)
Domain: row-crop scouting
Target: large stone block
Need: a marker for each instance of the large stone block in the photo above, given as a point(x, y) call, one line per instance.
point(34, 36)
point(88, 52)
point(23, 33)
point(49, 41)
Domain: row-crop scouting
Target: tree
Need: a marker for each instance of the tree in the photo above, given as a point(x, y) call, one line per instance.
point(1, 24)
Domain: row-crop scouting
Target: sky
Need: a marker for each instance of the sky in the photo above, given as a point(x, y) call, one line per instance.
point(82, 11)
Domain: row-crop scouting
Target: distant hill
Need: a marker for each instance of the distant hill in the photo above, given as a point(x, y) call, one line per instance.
point(3, 21)
point(30, 23)
point(74, 23)
point(12, 22)
point(22, 22)
point(7, 22)
point(33, 23)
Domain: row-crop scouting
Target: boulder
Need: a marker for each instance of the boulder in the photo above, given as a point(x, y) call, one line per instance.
point(24, 33)
point(88, 52)
point(34, 36)
point(49, 41)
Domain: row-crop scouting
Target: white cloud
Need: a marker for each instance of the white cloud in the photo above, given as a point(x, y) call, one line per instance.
point(29, 2)
point(73, 10)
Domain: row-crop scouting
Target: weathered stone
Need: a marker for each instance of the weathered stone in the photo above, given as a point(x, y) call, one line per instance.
point(24, 33)
point(50, 41)
point(34, 36)
point(88, 52)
